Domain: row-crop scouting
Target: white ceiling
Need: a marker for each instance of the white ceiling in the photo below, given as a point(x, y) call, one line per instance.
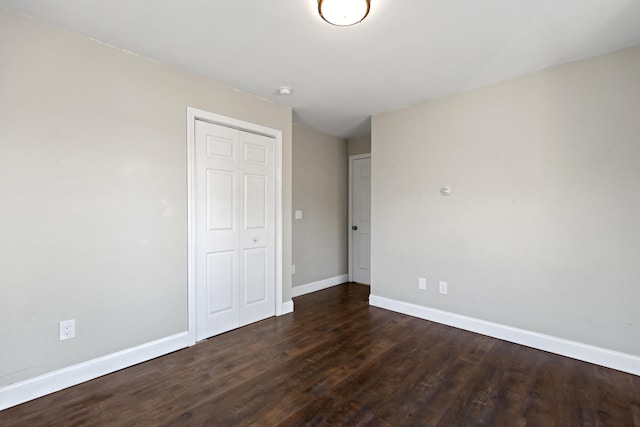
point(405, 52)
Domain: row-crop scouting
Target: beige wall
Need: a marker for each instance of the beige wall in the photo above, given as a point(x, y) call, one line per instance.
point(93, 222)
point(320, 191)
point(360, 145)
point(542, 229)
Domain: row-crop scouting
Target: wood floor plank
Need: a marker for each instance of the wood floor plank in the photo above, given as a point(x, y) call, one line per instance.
point(611, 405)
point(538, 406)
point(506, 406)
point(578, 404)
point(633, 384)
point(336, 361)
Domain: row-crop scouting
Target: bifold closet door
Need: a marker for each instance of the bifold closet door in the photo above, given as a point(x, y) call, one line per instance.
point(235, 228)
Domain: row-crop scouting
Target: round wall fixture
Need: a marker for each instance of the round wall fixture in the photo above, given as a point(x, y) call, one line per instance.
point(445, 191)
point(343, 12)
point(285, 91)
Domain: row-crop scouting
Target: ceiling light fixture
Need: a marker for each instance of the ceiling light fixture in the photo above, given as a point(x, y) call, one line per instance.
point(285, 91)
point(343, 12)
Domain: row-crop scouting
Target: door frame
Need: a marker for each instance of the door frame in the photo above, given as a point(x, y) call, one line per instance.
point(351, 160)
point(194, 114)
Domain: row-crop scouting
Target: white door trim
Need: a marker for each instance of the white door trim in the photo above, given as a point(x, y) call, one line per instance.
point(351, 160)
point(194, 114)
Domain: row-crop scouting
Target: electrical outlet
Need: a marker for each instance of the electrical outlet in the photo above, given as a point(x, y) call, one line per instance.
point(67, 329)
point(443, 287)
point(422, 283)
point(293, 269)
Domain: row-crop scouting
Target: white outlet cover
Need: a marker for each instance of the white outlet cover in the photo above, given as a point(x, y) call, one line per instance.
point(67, 329)
point(422, 283)
point(443, 287)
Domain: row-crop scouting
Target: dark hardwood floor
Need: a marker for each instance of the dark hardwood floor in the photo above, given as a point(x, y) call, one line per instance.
point(338, 362)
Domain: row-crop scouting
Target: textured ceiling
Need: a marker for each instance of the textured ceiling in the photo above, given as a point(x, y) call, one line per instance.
point(405, 52)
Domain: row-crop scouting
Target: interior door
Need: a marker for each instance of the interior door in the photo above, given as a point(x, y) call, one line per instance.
point(235, 228)
point(361, 220)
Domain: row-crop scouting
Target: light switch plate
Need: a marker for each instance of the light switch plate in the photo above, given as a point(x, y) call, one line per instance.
point(298, 214)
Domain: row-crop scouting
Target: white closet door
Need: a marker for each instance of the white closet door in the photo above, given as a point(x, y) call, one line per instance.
point(257, 238)
point(235, 226)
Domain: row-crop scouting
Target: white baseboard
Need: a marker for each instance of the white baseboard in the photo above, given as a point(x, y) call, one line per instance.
point(297, 291)
point(576, 350)
point(15, 394)
point(287, 307)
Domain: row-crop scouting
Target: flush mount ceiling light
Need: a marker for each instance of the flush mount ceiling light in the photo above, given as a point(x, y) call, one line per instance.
point(343, 12)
